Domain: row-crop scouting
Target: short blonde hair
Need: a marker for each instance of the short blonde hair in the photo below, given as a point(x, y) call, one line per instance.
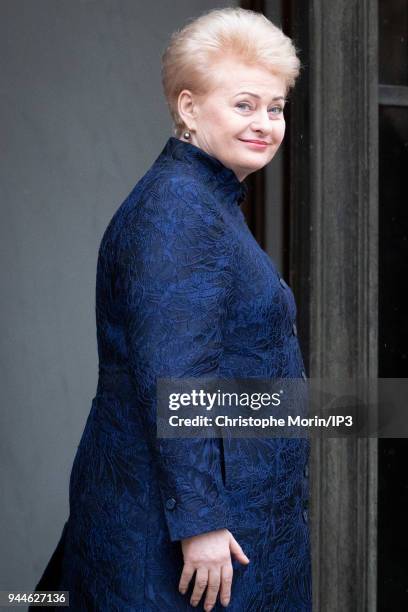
point(189, 60)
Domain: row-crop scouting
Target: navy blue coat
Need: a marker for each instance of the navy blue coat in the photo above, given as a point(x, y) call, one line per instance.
point(183, 289)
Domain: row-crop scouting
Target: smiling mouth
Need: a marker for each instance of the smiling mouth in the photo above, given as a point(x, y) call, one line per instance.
point(260, 142)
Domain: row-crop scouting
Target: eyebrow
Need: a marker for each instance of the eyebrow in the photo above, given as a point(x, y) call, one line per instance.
point(248, 93)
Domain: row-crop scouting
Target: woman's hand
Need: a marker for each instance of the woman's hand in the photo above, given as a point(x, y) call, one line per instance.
point(210, 555)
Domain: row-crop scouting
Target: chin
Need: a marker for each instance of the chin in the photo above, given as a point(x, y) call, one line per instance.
point(255, 164)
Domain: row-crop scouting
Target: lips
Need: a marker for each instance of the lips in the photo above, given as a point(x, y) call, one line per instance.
point(260, 142)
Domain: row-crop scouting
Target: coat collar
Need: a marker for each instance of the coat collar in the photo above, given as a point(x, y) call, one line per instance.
point(215, 174)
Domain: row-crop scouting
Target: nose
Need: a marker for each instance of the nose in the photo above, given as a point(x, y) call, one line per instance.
point(262, 123)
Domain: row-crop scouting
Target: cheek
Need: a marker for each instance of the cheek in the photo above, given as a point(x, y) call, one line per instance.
point(208, 117)
point(279, 131)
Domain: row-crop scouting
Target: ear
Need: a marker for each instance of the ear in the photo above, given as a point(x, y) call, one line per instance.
point(186, 107)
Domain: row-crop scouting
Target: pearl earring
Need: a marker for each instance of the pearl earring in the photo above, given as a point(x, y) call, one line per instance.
point(187, 134)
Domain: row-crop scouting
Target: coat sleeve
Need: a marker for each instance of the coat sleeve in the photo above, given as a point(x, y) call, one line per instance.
point(176, 276)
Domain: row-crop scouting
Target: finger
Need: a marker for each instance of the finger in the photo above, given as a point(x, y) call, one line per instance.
point(186, 575)
point(226, 582)
point(237, 551)
point(214, 579)
point(201, 581)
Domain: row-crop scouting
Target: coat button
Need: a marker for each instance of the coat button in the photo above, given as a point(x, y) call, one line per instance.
point(294, 329)
point(170, 503)
point(304, 514)
point(306, 471)
point(304, 375)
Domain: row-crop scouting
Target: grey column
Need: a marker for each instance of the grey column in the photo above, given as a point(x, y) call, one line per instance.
point(333, 265)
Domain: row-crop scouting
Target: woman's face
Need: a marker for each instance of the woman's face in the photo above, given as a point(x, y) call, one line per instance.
point(246, 105)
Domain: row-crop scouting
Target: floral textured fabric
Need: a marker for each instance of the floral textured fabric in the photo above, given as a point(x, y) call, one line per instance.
point(184, 290)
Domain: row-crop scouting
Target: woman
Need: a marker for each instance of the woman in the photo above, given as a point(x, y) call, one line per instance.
point(184, 290)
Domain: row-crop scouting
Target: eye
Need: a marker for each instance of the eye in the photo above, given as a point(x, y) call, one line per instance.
point(242, 104)
point(277, 109)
